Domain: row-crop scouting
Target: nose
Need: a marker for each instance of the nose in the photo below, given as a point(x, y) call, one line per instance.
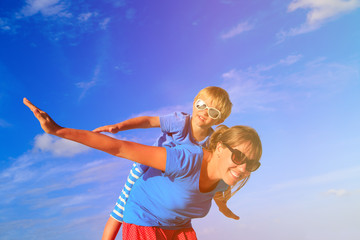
point(206, 112)
point(242, 168)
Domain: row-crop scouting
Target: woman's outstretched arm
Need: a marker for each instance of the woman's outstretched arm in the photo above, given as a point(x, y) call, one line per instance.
point(148, 155)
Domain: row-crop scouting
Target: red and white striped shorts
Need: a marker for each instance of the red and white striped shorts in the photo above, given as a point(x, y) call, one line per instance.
point(132, 231)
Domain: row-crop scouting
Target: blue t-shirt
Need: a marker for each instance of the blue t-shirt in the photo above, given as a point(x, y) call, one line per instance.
point(172, 198)
point(176, 129)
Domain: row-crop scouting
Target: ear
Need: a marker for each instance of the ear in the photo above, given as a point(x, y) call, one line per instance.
point(219, 147)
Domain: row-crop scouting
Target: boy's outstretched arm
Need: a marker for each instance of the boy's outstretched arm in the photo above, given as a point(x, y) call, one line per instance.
point(148, 155)
point(132, 123)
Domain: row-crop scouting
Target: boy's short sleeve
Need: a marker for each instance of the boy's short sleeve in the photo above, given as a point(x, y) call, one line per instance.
point(182, 161)
point(174, 122)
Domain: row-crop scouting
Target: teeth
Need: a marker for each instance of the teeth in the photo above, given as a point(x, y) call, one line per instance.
point(235, 174)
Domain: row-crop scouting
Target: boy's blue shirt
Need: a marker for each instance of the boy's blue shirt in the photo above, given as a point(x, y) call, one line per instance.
point(169, 200)
point(176, 130)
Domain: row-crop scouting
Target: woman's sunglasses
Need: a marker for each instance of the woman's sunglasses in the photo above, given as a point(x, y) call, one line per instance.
point(213, 112)
point(239, 158)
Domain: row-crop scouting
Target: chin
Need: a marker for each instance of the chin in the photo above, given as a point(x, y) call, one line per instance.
point(230, 182)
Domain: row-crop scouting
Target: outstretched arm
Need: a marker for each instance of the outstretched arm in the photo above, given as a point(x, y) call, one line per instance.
point(148, 155)
point(132, 123)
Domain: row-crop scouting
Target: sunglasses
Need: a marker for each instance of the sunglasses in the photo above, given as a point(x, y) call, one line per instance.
point(213, 112)
point(239, 158)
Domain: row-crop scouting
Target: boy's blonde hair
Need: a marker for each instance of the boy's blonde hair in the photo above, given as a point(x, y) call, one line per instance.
point(235, 136)
point(219, 99)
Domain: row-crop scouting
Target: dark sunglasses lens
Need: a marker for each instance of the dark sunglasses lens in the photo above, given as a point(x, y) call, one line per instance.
point(238, 157)
point(213, 113)
point(252, 166)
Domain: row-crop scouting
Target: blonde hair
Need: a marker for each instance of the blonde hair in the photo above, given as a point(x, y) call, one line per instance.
point(235, 136)
point(219, 98)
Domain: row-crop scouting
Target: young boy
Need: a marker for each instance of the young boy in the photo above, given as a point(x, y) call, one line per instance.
point(211, 107)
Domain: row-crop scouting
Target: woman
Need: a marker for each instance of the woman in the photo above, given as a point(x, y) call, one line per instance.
point(182, 181)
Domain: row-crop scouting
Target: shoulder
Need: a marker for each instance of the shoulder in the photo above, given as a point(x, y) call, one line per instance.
point(183, 158)
point(174, 122)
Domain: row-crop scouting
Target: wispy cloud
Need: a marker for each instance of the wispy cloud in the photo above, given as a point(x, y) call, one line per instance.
point(166, 110)
point(289, 60)
point(58, 146)
point(262, 88)
point(319, 12)
point(240, 28)
point(83, 17)
point(31, 179)
point(45, 7)
point(250, 90)
point(22, 168)
point(4, 123)
point(329, 177)
point(337, 192)
point(104, 23)
point(59, 19)
point(85, 86)
point(4, 24)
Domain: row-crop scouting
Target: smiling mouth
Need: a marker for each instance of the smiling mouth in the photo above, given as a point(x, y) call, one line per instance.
point(201, 118)
point(235, 175)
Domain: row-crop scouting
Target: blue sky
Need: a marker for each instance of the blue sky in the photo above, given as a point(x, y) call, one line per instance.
point(291, 69)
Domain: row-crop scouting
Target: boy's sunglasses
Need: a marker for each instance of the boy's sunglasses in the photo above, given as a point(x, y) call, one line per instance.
point(213, 112)
point(239, 158)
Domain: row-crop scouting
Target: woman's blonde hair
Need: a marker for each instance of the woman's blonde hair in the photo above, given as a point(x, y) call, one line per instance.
point(233, 137)
point(219, 98)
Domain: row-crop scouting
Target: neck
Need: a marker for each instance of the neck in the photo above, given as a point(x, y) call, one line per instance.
point(199, 133)
point(208, 176)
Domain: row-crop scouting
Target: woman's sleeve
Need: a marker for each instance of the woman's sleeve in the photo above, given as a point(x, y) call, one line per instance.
point(182, 160)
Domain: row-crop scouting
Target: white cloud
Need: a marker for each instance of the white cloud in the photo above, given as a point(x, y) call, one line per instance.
point(4, 25)
point(58, 146)
point(19, 171)
point(329, 177)
point(250, 90)
point(103, 24)
point(83, 17)
point(263, 87)
point(319, 11)
point(240, 28)
point(87, 85)
point(291, 59)
point(337, 192)
point(45, 7)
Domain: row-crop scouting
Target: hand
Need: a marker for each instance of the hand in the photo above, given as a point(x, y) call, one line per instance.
point(108, 128)
point(47, 124)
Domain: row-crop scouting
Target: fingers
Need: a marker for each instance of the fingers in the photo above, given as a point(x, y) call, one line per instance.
point(105, 129)
point(37, 112)
point(30, 105)
point(100, 129)
point(112, 130)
